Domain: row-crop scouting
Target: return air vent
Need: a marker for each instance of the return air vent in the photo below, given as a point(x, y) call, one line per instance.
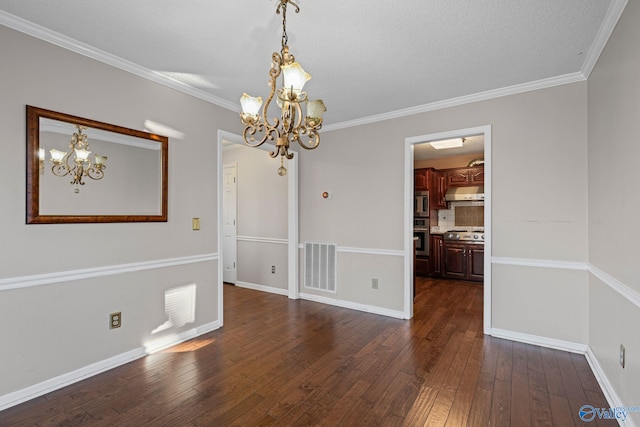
point(320, 266)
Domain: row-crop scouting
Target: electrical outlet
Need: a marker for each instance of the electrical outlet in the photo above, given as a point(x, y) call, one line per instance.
point(273, 269)
point(374, 283)
point(195, 224)
point(115, 320)
point(622, 356)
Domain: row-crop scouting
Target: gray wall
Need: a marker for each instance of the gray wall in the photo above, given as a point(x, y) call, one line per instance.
point(614, 150)
point(539, 193)
point(83, 272)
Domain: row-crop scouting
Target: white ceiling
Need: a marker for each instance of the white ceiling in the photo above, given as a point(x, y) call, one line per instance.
point(369, 60)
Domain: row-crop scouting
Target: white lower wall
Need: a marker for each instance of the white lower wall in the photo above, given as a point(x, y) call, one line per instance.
point(615, 320)
point(355, 269)
point(543, 301)
point(64, 326)
point(255, 262)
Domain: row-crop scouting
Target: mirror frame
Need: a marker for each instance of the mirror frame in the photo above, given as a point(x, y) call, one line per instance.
point(33, 170)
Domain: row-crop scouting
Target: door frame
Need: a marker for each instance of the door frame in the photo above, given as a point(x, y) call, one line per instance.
point(408, 214)
point(293, 290)
point(233, 166)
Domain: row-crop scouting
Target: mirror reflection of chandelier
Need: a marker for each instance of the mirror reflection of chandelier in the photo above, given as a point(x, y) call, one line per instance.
point(290, 126)
point(77, 162)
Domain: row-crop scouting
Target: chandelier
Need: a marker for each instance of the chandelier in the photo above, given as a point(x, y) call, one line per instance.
point(76, 162)
point(290, 126)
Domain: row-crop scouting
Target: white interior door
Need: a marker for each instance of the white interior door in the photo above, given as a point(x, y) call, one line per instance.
point(229, 221)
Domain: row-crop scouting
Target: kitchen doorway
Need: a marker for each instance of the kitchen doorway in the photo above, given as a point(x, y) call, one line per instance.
point(417, 144)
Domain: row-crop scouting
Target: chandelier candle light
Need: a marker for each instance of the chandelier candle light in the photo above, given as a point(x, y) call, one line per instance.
point(290, 126)
point(81, 166)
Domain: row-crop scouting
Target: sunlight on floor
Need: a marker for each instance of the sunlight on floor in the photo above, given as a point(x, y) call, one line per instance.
point(191, 345)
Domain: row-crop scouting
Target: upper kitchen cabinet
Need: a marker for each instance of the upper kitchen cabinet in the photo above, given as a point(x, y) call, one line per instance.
point(421, 179)
point(439, 186)
point(465, 176)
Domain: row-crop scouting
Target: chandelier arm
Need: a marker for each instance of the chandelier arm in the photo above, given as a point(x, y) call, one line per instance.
point(269, 132)
point(60, 170)
point(313, 135)
point(249, 131)
point(274, 73)
point(95, 172)
point(297, 115)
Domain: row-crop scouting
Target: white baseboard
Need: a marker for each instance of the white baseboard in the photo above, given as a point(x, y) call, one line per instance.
point(262, 288)
point(15, 398)
point(556, 344)
point(398, 314)
point(608, 390)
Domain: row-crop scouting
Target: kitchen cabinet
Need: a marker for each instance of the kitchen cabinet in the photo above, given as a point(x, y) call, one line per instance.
point(422, 265)
point(439, 186)
point(463, 261)
point(436, 255)
point(421, 179)
point(460, 177)
point(475, 262)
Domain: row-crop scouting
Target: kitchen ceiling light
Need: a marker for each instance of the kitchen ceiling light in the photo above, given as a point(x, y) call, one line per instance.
point(289, 127)
point(447, 143)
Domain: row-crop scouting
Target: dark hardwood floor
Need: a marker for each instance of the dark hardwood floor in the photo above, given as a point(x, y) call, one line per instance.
point(283, 362)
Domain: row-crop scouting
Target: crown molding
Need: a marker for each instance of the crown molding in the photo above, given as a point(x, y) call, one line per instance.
point(468, 99)
point(53, 37)
point(608, 25)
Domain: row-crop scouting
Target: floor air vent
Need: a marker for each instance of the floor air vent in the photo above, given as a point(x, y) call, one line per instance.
point(320, 266)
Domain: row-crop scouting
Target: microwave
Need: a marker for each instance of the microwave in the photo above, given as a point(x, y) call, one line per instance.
point(421, 204)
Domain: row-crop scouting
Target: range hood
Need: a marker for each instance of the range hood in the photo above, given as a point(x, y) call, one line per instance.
point(456, 194)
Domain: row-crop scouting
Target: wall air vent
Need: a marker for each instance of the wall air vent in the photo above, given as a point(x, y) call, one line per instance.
point(320, 266)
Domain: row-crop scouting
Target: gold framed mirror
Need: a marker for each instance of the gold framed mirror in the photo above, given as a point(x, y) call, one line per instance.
point(84, 171)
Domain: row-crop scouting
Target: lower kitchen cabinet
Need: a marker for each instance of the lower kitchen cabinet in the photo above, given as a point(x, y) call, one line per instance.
point(463, 261)
point(475, 262)
point(422, 266)
point(435, 250)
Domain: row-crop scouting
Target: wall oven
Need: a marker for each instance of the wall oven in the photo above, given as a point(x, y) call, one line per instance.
point(421, 231)
point(421, 204)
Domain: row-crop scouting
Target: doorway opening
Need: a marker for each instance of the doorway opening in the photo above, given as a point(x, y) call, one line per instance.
point(465, 208)
point(250, 238)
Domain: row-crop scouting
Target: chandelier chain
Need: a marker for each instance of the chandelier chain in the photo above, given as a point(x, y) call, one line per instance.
point(283, 6)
